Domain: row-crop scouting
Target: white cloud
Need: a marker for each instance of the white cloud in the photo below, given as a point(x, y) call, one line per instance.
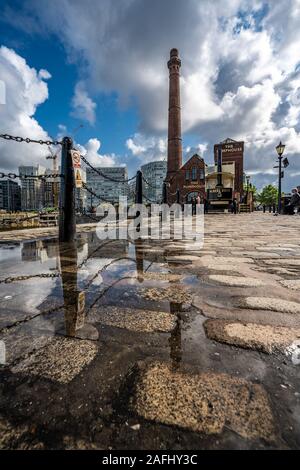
point(147, 148)
point(239, 68)
point(83, 107)
point(91, 151)
point(25, 91)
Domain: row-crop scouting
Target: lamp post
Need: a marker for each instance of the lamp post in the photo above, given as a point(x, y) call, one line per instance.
point(280, 149)
point(247, 187)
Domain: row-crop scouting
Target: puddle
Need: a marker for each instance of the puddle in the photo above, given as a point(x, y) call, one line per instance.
point(81, 315)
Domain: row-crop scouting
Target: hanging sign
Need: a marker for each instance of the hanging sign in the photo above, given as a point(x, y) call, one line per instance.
point(78, 179)
point(76, 159)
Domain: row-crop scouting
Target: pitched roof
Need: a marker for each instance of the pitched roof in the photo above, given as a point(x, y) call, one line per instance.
point(193, 156)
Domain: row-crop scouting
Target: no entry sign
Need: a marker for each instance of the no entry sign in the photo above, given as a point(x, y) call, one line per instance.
point(76, 159)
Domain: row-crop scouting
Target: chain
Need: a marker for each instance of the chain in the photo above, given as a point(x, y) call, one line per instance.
point(149, 200)
point(100, 173)
point(85, 214)
point(28, 141)
point(101, 245)
point(13, 176)
point(9, 280)
point(148, 184)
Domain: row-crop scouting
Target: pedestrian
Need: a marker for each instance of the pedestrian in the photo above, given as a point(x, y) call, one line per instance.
point(298, 189)
point(234, 206)
point(193, 205)
point(198, 200)
point(294, 202)
point(205, 206)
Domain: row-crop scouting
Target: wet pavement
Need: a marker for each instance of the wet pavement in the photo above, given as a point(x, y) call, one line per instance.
point(152, 344)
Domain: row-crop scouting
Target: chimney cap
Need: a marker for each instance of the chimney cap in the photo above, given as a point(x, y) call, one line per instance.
point(174, 52)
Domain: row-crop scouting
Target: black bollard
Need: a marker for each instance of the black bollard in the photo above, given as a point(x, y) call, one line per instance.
point(67, 215)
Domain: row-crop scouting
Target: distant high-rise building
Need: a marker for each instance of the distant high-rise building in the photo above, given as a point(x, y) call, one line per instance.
point(32, 189)
point(105, 188)
point(155, 174)
point(10, 195)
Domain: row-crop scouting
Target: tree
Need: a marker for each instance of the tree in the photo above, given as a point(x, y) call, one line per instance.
point(269, 195)
point(252, 189)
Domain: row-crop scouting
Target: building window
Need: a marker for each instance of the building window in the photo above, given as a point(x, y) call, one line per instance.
point(187, 174)
point(201, 172)
point(194, 174)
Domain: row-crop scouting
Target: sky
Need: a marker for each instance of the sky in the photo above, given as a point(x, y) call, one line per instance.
point(97, 71)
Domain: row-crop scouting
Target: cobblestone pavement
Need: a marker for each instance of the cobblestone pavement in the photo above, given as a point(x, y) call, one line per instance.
point(178, 346)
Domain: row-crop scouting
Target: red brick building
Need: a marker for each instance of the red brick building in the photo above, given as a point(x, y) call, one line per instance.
point(189, 180)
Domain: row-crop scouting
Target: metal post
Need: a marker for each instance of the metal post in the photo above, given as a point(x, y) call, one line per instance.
point(67, 215)
point(219, 184)
point(279, 185)
point(139, 188)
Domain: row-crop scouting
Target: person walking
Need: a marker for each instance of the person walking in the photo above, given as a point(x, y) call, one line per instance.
point(234, 206)
point(294, 202)
point(193, 205)
point(298, 189)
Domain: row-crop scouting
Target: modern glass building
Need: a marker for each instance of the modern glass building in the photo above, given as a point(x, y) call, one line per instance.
point(155, 174)
point(106, 188)
point(10, 195)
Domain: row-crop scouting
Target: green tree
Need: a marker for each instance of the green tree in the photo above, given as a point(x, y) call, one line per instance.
point(268, 195)
point(252, 189)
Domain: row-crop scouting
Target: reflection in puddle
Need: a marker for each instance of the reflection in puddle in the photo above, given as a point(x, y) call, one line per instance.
point(88, 274)
point(74, 299)
point(175, 338)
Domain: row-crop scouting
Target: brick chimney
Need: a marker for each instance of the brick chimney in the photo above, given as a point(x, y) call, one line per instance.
point(174, 126)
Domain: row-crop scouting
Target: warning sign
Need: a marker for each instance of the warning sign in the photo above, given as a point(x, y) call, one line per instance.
point(78, 179)
point(76, 159)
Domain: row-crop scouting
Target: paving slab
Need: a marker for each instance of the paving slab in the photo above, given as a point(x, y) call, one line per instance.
point(176, 294)
point(236, 281)
point(61, 360)
point(205, 402)
point(293, 284)
point(267, 338)
point(271, 303)
point(147, 321)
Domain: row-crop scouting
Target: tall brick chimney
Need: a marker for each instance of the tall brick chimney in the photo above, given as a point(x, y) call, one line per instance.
point(174, 127)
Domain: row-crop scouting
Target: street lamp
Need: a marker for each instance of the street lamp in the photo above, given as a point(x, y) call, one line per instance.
point(247, 179)
point(280, 149)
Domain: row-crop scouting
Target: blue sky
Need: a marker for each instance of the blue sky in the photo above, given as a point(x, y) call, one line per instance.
point(48, 53)
point(107, 60)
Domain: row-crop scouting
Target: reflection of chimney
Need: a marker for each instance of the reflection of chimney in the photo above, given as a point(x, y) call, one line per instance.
point(174, 126)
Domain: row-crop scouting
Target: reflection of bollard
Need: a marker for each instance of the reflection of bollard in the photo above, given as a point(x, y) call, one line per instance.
point(2, 353)
point(139, 257)
point(67, 216)
point(74, 304)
